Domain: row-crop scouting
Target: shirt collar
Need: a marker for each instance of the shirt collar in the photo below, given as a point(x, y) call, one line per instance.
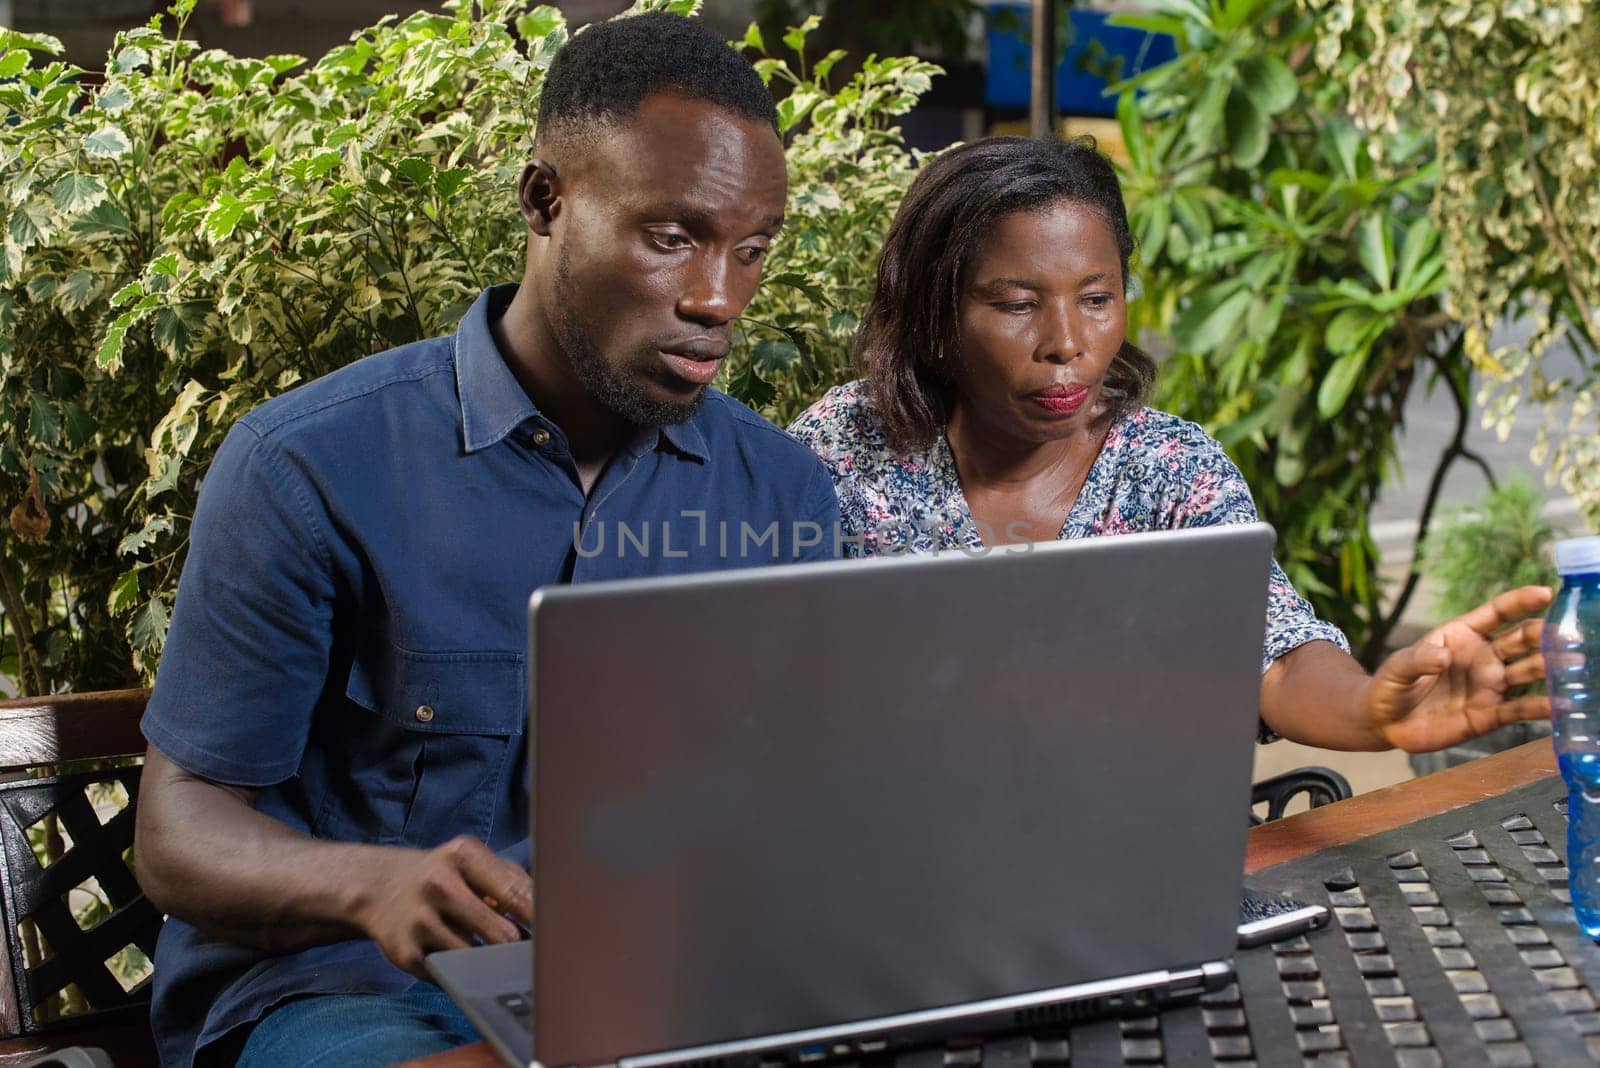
point(687, 437)
point(493, 402)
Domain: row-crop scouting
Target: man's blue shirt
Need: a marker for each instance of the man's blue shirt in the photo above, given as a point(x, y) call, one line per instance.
point(350, 628)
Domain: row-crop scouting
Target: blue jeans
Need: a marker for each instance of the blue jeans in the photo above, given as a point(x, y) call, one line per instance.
point(357, 1030)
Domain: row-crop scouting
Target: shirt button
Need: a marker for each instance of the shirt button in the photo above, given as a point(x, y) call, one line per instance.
point(540, 436)
point(424, 713)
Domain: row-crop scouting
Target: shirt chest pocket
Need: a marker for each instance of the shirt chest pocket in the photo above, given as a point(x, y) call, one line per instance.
point(425, 749)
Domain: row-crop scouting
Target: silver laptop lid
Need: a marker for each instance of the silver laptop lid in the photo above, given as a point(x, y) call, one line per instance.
point(781, 799)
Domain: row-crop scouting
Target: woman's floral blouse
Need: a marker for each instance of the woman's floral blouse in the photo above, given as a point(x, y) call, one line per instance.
point(1154, 472)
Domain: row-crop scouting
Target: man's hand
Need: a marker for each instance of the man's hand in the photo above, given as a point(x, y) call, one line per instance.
point(208, 857)
point(1451, 685)
point(445, 898)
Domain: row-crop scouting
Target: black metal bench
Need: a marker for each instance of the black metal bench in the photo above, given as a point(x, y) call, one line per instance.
point(1320, 786)
point(76, 924)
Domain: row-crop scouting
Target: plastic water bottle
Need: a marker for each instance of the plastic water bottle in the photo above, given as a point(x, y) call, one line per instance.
point(1571, 647)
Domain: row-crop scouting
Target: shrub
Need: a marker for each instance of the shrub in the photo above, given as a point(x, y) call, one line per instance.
point(1292, 258)
point(200, 231)
point(1510, 90)
point(1502, 541)
point(848, 170)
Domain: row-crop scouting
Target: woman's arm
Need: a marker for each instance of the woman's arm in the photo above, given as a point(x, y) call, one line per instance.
point(1447, 687)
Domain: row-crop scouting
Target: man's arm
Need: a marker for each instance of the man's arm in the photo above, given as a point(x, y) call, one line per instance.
point(206, 856)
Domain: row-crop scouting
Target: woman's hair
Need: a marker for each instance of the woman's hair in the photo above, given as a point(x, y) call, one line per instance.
point(948, 211)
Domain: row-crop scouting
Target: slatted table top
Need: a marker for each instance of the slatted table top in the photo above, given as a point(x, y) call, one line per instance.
point(1453, 944)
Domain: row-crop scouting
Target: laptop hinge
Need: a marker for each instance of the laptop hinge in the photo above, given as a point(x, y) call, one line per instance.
point(866, 1036)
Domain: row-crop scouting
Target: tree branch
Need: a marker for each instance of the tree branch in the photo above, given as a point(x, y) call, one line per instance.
point(1553, 230)
point(1457, 449)
point(11, 602)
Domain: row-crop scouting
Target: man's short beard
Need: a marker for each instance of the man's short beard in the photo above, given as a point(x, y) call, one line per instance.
point(624, 396)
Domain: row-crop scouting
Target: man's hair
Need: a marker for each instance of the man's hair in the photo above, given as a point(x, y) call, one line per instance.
point(601, 76)
point(910, 333)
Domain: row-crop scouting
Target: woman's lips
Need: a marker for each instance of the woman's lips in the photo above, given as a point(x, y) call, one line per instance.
point(700, 371)
point(1061, 400)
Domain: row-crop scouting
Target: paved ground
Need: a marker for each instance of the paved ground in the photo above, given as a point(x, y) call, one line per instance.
point(1429, 423)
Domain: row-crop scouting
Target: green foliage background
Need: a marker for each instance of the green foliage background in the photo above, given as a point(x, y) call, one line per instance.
point(202, 231)
point(1510, 90)
point(199, 232)
point(1502, 541)
point(1292, 257)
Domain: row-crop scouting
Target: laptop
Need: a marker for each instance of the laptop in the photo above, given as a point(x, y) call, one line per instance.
point(835, 808)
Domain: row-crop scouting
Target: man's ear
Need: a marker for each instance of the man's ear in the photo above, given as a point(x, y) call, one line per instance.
point(539, 195)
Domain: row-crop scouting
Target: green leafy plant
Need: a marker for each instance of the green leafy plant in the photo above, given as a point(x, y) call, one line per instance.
point(1503, 540)
point(201, 232)
point(198, 232)
point(1291, 258)
point(1510, 90)
point(848, 170)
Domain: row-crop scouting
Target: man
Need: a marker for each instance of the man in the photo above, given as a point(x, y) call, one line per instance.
point(336, 782)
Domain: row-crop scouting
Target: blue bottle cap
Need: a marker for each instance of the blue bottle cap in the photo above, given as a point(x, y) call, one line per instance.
point(1578, 556)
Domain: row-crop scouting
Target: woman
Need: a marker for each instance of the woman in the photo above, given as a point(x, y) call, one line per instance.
point(1002, 403)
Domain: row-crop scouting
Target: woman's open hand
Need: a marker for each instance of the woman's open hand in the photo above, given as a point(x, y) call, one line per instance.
point(1452, 684)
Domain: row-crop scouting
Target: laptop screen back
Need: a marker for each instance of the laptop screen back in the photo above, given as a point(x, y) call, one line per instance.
point(794, 797)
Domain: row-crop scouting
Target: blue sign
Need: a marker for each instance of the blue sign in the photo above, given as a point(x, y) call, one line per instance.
point(1079, 91)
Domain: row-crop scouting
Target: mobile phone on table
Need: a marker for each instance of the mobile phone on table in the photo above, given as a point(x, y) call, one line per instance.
point(1267, 918)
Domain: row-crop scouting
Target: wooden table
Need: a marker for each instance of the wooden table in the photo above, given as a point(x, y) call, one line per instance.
point(1299, 835)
